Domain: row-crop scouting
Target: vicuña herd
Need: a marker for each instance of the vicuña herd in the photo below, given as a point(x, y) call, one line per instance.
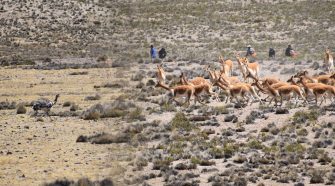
point(301, 86)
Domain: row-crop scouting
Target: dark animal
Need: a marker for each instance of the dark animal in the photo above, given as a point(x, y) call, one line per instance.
point(44, 104)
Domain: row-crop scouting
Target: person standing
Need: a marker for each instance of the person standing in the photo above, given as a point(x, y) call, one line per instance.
point(250, 51)
point(162, 53)
point(288, 51)
point(153, 52)
point(272, 53)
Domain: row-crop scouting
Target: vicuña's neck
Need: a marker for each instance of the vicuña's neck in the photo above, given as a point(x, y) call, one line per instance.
point(164, 86)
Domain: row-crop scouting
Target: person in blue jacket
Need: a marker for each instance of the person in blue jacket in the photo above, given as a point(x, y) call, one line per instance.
point(153, 52)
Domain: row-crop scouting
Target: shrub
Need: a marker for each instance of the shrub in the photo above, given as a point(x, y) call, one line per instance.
point(136, 114)
point(67, 104)
point(181, 122)
point(303, 116)
point(295, 147)
point(78, 73)
point(102, 58)
point(96, 97)
point(229, 149)
point(113, 113)
point(167, 107)
point(159, 164)
point(74, 107)
point(302, 132)
point(316, 177)
point(195, 160)
point(92, 115)
point(4, 105)
point(118, 108)
point(21, 109)
point(255, 144)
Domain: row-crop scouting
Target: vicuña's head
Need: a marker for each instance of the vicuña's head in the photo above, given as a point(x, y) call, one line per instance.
point(208, 68)
point(291, 79)
point(158, 84)
point(302, 73)
point(181, 75)
point(254, 83)
point(301, 79)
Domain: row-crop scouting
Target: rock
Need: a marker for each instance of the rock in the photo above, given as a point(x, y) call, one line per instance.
point(240, 159)
point(151, 83)
point(274, 70)
point(240, 181)
point(81, 139)
point(317, 177)
point(239, 105)
point(231, 118)
point(253, 116)
point(138, 76)
point(288, 71)
point(181, 166)
point(315, 66)
point(215, 178)
point(282, 111)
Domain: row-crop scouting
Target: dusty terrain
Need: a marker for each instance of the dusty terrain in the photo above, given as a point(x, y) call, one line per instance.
point(110, 121)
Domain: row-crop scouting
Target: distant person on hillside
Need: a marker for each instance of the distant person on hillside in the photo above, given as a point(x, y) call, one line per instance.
point(272, 53)
point(153, 52)
point(162, 53)
point(290, 52)
point(250, 52)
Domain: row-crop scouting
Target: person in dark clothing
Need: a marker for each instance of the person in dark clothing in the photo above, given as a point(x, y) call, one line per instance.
point(250, 51)
point(290, 52)
point(153, 52)
point(272, 53)
point(162, 53)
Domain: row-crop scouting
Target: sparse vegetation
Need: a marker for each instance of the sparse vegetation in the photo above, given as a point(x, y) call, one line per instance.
point(98, 51)
point(303, 116)
point(180, 122)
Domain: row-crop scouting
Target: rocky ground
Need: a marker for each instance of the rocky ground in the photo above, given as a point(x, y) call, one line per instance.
point(112, 126)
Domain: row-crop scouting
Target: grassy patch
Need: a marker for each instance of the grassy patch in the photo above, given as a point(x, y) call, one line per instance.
point(180, 122)
point(255, 144)
point(303, 116)
point(295, 147)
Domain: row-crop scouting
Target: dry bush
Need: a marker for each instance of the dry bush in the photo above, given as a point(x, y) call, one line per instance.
point(6, 105)
point(21, 109)
point(81, 182)
point(78, 73)
point(118, 108)
point(91, 98)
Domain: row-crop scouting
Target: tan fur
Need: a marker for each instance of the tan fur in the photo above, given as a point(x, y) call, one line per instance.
point(201, 85)
point(246, 67)
point(317, 89)
point(240, 89)
point(286, 90)
point(227, 66)
point(322, 90)
point(329, 61)
point(326, 79)
point(160, 74)
point(180, 91)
